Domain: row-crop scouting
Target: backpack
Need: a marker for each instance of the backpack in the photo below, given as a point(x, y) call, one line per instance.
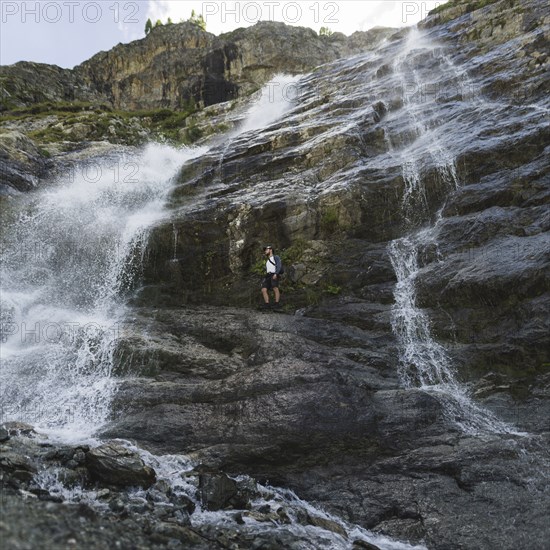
point(281, 272)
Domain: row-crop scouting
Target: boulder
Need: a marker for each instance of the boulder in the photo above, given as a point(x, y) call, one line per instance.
point(114, 464)
point(216, 490)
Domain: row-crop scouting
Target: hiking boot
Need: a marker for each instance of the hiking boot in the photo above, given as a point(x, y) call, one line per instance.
point(276, 305)
point(265, 306)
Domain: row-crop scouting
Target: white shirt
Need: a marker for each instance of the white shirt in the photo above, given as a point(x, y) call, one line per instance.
point(270, 265)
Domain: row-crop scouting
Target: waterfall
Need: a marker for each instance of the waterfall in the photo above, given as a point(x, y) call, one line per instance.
point(68, 259)
point(275, 99)
point(269, 104)
point(423, 361)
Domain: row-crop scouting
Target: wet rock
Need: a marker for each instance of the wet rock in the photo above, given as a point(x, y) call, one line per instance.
point(21, 475)
point(16, 463)
point(262, 517)
point(4, 435)
point(328, 524)
point(284, 518)
point(86, 511)
point(117, 506)
point(80, 456)
point(114, 464)
point(162, 510)
point(18, 428)
point(21, 163)
point(183, 502)
point(162, 486)
point(239, 518)
point(216, 490)
point(28, 494)
point(48, 497)
point(156, 496)
point(188, 537)
point(73, 477)
point(363, 545)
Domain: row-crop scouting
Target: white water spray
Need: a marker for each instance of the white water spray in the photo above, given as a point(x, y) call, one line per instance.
point(270, 104)
point(275, 99)
point(67, 261)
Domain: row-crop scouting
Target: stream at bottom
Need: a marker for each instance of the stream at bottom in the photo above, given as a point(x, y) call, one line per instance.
point(218, 508)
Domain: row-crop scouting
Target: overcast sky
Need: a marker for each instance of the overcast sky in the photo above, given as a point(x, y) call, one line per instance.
point(67, 32)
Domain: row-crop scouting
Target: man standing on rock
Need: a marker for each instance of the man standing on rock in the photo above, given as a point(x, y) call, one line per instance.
point(273, 268)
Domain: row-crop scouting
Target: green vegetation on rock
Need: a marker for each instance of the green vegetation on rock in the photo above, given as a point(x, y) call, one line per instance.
point(198, 20)
point(81, 121)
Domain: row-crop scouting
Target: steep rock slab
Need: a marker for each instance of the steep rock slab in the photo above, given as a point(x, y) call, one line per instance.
point(21, 162)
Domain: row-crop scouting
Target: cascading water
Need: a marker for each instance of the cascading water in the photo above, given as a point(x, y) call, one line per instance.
point(67, 260)
point(86, 239)
point(423, 361)
point(273, 101)
point(174, 470)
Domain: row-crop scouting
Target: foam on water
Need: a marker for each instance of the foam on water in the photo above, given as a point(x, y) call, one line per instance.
point(66, 264)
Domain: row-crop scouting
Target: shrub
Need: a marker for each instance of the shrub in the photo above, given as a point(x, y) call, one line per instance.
point(329, 220)
point(198, 20)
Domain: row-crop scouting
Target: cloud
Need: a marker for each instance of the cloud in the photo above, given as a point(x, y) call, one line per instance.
point(176, 10)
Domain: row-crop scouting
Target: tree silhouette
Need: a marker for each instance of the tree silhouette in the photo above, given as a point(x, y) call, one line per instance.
point(148, 27)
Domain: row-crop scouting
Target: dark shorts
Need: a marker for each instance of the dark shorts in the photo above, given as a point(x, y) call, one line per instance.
point(269, 283)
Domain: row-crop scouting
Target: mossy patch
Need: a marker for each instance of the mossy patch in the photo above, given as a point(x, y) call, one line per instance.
point(333, 220)
point(294, 253)
point(105, 123)
point(49, 108)
point(330, 220)
point(334, 290)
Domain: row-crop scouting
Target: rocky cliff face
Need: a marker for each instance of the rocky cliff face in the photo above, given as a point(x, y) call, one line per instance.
point(26, 83)
point(180, 63)
point(404, 182)
point(405, 387)
point(146, 89)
